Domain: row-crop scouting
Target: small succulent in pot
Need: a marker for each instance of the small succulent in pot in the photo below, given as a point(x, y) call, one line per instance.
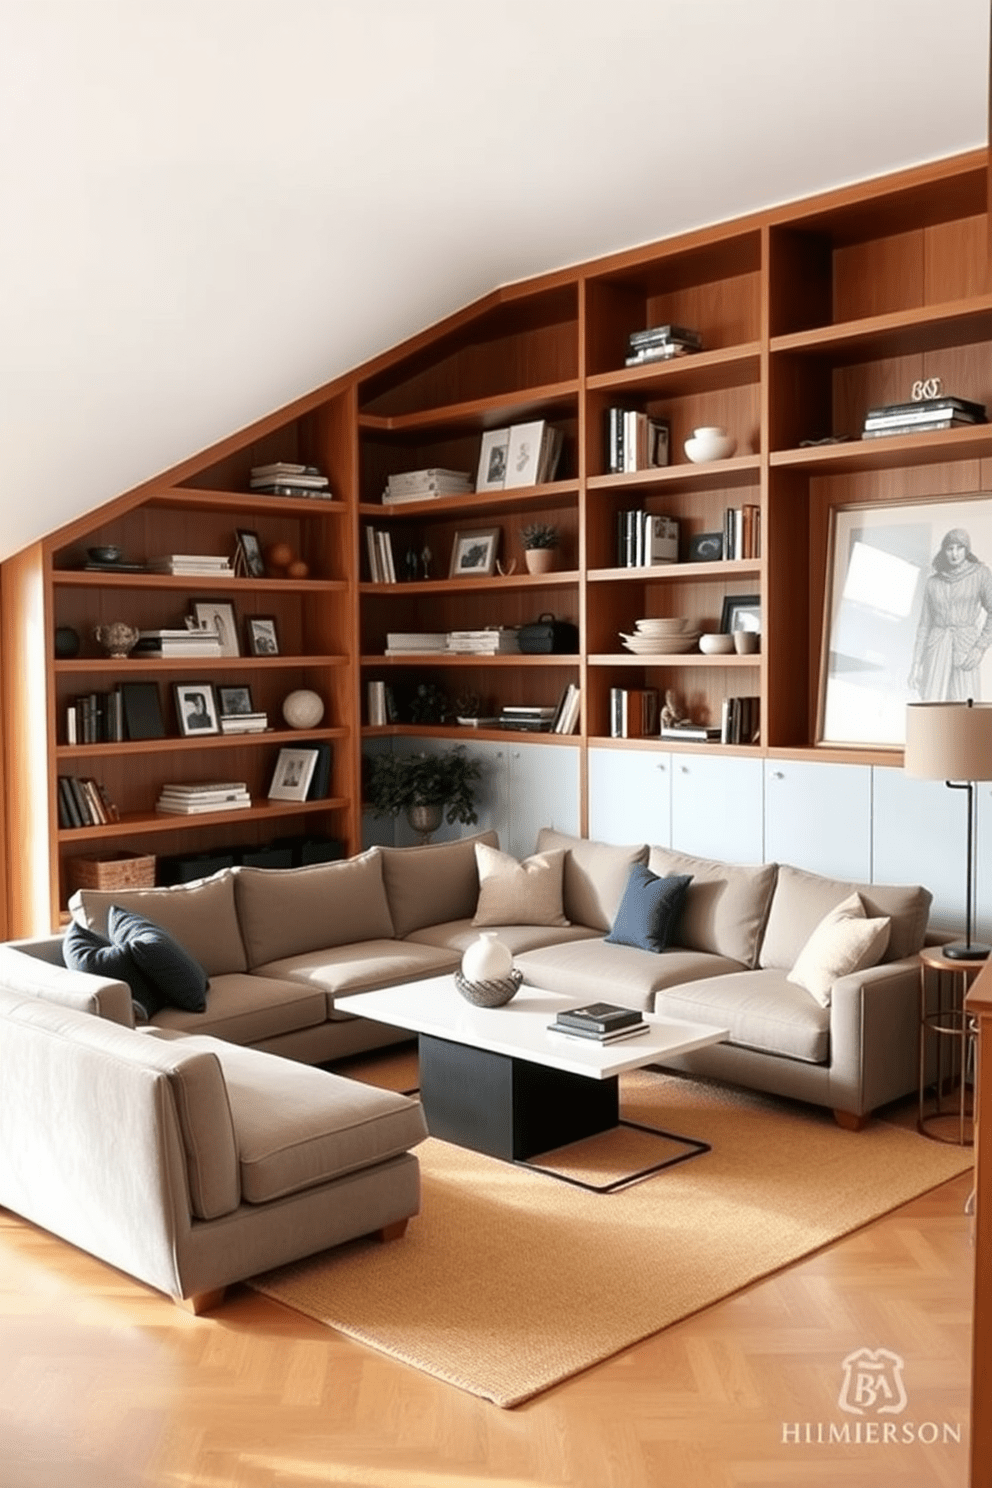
point(539, 535)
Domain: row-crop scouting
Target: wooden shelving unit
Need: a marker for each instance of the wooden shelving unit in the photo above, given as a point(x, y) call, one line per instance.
point(809, 314)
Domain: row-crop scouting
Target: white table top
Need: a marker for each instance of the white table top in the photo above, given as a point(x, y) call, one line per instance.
point(520, 1028)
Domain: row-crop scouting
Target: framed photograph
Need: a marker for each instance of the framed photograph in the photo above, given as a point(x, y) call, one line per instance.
point(907, 615)
point(492, 460)
point(741, 612)
point(292, 775)
point(473, 554)
point(705, 547)
point(196, 708)
point(218, 615)
point(262, 637)
point(234, 701)
point(251, 553)
point(523, 455)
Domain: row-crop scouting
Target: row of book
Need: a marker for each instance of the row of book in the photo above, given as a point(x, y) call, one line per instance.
point(635, 441)
point(488, 640)
point(562, 718)
point(644, 539)
point(921, 416)
point(84, 802)
point(660, 344)
point(379, 548)
point(633, 712)
point(289, 478)
point(604, 1022)
point(426, 485)
point(742, 532)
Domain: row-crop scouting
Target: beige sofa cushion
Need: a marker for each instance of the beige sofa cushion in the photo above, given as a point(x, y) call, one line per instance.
point(363, 966)
point(458, 935)
point(246, 1009)
point(592, 970)
point(519, 893)
point(845, 940)
point(290, 911)
point(297, 1126)
point(725, 906)
point(200, 915)
point(761, 1009)
point(595, 877)
point(802, 899)
point(432, 884)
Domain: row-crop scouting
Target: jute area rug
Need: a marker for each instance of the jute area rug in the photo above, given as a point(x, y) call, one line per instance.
point(508, 1281)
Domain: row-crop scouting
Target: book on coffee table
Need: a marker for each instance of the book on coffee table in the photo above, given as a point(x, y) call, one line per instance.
point(630, 1030)
point(600, 1017)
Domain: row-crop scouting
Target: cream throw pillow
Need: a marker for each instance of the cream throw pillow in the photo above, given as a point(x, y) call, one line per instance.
point(845, 940)
point(515, 893)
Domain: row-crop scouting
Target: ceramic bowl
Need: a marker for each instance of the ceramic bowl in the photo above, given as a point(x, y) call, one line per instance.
point(106, 553)
point(662, 627)
point(716, 645)
point(710, 443)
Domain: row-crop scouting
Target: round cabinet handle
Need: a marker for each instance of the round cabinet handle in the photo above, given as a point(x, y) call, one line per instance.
point(515, 754)
point(777, 775)
point(661, 767)
point(685, 769)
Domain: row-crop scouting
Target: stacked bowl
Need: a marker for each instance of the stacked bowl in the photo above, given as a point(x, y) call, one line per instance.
point(661, 637)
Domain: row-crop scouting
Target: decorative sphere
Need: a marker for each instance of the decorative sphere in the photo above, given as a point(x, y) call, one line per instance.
point(303, 709)
point(297, 569)
point(280, 555)
point(66, 642)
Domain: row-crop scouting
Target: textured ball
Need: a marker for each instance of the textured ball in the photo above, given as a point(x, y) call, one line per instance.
point(303, 709)
point(280, 555)
point(297, 569)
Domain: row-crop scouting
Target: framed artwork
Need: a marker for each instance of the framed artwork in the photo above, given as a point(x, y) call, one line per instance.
point(473, 554)
point(741, 612)
point(251, 553)
point(292, 775)
point(492, 460)
point(262, 637)
point(907, 615)
point(218, 615)
point(705, 547)
point(196, 708)
point(234, 701)
point(523, 454)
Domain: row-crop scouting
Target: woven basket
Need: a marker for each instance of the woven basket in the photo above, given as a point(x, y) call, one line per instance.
point(121, 871)
point(490, 994)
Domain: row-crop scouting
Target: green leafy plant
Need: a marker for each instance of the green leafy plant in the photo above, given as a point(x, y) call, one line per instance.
point(539, 535)
point(395, 782)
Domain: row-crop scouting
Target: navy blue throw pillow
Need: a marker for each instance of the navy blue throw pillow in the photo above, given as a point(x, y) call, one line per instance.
point(85, 950)
point(179, 980)
point(649, 910)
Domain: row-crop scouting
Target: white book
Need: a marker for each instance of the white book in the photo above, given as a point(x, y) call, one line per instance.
point(197, 808)
point(377, 704)
point(372, 548)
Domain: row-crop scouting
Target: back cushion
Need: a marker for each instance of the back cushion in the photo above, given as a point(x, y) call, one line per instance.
point(432, 885)
point(201, 915)
point(802, 899)
point(596, 875)
point(725, 907)
point(290, 911)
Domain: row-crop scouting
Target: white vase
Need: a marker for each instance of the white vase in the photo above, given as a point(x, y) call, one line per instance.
point(487, 959)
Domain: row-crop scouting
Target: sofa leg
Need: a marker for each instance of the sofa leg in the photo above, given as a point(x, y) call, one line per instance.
point(849, 1121)
point(394, 1231)
point(201, 1302)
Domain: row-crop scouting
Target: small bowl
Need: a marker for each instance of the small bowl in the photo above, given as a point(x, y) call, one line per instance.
point(107, 553)
point(710, 443)
point(716, 644)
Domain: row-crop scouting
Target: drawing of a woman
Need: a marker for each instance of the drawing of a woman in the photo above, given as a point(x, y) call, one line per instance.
point(955, 627)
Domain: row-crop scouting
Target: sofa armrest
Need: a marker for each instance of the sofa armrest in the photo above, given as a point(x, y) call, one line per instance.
point(874, 1034)
point(31, 968)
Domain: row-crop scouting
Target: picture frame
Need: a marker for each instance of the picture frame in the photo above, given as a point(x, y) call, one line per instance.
point(741, 612)
point(263, 638)
point(218, 614)
point(234, 702)
point(250, 549)
point(196, 709)
point(891, 634)
point(473, 554)
point(523, 454)
point(293, 774)
point(705, 547)
point(492, 460)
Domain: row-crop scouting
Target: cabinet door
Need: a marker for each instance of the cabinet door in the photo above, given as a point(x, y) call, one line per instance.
point(630, 796)
point(717, 809)
point(543, 792)
point(818, 817)
point(920, 836)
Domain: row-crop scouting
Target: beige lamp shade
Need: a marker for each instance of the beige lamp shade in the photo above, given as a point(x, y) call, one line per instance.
point(949, 741)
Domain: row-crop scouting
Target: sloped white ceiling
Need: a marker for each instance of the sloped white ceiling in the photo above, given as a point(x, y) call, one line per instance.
point(210, 207)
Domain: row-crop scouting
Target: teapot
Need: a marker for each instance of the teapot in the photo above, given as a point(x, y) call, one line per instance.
point(117, 638)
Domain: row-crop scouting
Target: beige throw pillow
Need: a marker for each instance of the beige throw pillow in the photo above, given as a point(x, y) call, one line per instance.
point(515, 893)
point(845, 940)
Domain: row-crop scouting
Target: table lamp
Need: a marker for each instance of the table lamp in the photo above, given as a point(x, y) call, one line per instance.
point(953, 742)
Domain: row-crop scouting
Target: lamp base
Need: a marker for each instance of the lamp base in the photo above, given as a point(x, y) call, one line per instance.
point(961, 950)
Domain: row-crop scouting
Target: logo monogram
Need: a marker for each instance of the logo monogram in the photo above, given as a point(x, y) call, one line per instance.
point(873, 1384)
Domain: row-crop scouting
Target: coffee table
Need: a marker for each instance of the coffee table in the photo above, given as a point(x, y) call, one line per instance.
point(499, 1081)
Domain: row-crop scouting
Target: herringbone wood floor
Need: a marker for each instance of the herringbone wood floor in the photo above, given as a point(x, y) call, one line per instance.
point(104, 1384)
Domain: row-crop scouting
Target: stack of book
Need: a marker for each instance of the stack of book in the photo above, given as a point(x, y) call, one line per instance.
point(742, 532)
point(634, 441)
point(644, 539)
point(740, 720)
point(425, 485)
point(175, 643)
point(379, 546)
point(633, 712)
point(567, 716)
point(692, 733)
point(283, 478)
point(603, 1021)
point(212, 795)
point(192, 565)
point(533, 720)
point(921, 416)
point(84, 802)
point(415, 642)
point(660, 343)
point(244, 723)
point(492, 640)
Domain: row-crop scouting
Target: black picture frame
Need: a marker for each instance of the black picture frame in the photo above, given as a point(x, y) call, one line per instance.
point(705, 547)
point(251, 552)
point(234, 702)
point(262, 636)
point(741, 612)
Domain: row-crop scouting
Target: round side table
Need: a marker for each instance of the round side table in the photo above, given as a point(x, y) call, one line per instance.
point(947, 1028)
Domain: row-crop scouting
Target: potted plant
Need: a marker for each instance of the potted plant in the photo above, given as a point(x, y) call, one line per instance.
point(540, 539)
point(421, 786)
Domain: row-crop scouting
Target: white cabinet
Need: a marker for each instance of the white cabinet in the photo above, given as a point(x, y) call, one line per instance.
point(630, 796)
point(920, 836)
point(717, 809)
point(818, 817)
